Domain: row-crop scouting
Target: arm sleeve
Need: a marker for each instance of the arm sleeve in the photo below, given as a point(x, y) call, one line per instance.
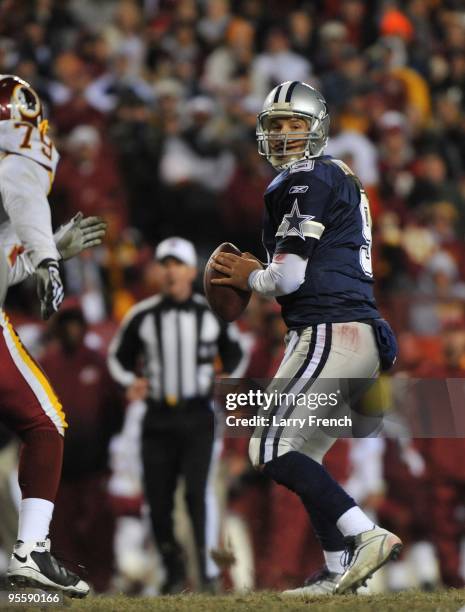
point(284, 275)
point(23, 187)
point(234, 357)
point(124, 350)
point(303, 212)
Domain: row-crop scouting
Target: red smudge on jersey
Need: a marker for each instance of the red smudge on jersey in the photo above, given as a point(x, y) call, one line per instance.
point(13, 254)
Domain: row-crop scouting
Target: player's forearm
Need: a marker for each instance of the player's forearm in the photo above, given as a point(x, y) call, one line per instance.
point(284, 275)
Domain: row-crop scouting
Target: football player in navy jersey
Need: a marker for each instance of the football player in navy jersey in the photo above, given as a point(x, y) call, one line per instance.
point(317, 235)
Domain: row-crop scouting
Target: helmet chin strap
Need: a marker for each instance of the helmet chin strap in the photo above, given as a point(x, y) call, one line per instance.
point(284, 165)
point(291, 159)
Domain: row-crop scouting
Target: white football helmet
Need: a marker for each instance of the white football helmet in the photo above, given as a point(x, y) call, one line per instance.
point(293, 99)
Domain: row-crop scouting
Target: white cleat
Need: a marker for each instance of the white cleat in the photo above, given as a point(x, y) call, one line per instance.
point(367, 552)
point(32, 565)
point(322, 582)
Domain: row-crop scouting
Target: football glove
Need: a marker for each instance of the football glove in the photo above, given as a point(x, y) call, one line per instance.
point(78, 234)
point(49, 287)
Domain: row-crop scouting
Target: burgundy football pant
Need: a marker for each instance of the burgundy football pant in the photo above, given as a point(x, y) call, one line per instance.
point(30, 408)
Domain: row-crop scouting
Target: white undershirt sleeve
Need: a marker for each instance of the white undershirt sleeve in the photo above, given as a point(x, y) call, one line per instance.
point(284, 275)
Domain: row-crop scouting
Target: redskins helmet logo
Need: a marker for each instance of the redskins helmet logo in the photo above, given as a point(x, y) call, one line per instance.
point(26, 101)
point(18, 101)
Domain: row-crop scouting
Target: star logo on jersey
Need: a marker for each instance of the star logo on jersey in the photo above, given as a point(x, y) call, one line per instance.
point(295, 221)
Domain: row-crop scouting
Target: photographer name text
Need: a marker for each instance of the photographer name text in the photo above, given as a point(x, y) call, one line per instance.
point(275, 421)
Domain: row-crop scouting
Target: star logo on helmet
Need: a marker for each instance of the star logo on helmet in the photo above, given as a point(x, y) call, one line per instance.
point(295, 221)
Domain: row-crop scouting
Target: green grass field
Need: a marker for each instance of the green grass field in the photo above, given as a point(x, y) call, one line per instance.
point(441, 601)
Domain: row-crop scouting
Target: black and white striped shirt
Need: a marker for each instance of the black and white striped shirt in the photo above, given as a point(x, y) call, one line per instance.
point(177, 344)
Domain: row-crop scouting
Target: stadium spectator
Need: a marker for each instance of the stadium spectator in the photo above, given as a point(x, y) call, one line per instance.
point(302, 32)
point(348, 75)
point(213, 25)
point(138, 140)
point(71, 106)
point(444, 463)
point(123, 36)
point(195, 166)
point(396, 162)
point(278, 63)
point(241, 203)
point(88, 179)
point(432, 183)
point(229, 63)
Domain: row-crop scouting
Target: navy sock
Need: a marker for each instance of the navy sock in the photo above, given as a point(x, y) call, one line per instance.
point(329, 536)
point(312, 483)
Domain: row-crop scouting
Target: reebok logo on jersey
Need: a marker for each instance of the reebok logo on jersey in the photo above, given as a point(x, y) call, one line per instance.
point(298, 189)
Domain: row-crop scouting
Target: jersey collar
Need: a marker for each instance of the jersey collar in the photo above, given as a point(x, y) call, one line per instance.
point(283, 175)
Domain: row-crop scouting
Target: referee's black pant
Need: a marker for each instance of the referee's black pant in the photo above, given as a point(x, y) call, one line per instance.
point(179, 441)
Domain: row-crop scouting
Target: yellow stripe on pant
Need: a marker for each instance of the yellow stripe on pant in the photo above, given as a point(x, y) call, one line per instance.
point(34, 371)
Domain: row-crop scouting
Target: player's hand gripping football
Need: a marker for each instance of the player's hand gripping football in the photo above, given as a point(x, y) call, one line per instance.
point(78, 234)
point(49, 287)
point(236, 269)
point(247, 255)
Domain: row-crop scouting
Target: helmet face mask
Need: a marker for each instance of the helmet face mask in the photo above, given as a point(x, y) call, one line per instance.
point(292, 100)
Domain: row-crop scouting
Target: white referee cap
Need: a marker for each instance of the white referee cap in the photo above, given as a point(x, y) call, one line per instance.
point(179, 248)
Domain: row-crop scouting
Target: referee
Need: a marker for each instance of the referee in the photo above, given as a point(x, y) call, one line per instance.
point(164, 353)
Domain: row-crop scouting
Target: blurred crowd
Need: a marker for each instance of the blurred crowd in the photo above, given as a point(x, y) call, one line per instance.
point(153, 106)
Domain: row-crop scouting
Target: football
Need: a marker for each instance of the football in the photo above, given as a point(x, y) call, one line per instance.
point(227, 302)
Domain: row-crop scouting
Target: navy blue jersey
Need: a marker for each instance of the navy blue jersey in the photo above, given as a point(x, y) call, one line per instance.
point(318, 209)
